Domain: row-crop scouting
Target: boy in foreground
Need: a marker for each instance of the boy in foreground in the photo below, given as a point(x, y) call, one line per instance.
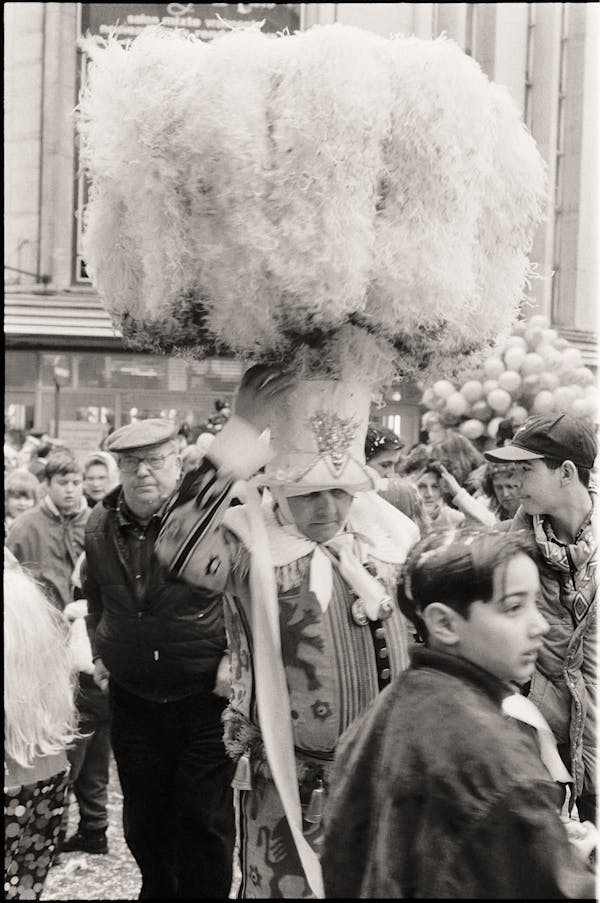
point(438, 792)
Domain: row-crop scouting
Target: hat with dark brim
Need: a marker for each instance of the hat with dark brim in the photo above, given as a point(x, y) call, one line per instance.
point(142, 434)
point(559, 436)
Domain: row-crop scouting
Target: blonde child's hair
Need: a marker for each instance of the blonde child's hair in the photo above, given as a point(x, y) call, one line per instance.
point(39, 681)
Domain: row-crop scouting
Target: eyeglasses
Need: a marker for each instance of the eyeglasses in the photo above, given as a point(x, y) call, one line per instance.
point(130, 463)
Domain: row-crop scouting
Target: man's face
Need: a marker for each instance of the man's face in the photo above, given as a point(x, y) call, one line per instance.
point(320, 515)
point(429, 490)
point(149, 475)
point(539, 486)
point(505, 634)
point(66, 491)
point(95, 482)
point(507, 487)
point(385, 462)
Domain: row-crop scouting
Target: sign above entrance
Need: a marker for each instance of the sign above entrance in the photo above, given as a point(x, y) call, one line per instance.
point(204, 20)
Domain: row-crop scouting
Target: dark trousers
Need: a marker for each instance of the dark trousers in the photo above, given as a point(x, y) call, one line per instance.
point(89, 759)
point(177, 800)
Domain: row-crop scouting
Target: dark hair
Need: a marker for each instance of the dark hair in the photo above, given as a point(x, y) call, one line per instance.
point(584, 473)
point(61, 463)
point(456, 567)
point(506, 430)
point(380, 439)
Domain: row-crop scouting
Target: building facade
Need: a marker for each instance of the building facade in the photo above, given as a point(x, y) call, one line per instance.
point(545, 53)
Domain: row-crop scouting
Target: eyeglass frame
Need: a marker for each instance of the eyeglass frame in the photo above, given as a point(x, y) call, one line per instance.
point(145, 461)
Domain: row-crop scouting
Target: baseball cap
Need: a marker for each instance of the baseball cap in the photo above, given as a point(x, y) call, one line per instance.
point(144, 433)
point(560, 436)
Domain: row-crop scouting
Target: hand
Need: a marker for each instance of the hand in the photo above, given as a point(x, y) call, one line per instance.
point(583, 836)
point(450, 482)
point(260, 385)
point(101, 675)
point(222, 685)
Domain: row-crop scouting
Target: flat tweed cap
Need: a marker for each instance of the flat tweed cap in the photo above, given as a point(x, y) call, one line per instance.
point(144, 433)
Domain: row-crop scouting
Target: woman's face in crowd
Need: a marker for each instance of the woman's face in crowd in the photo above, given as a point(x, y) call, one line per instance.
point(385, 462)
point(17, 504)
point(320, 515)
point(429, 490)
point(507, 487)
point(96, 481)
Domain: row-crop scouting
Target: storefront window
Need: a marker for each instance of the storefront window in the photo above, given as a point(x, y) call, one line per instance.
point(19, 368)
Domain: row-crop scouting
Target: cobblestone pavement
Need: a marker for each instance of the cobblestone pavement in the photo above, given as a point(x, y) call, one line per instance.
point(80, 876)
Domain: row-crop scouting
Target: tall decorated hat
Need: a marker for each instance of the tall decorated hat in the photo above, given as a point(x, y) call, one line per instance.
point(284, 198)
point(318, 435)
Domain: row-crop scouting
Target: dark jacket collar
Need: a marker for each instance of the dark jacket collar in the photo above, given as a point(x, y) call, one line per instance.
point(496, 689)
point(115, 500)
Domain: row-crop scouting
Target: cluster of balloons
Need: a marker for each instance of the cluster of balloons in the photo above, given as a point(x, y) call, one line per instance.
point(535, 372)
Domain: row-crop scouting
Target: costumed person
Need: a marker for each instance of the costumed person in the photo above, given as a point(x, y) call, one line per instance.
point(312, 635)
point(219, 172)
point(451, 785)
point(40, 721)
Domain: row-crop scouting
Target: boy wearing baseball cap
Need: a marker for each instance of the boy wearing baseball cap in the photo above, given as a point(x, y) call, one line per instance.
point(555, 454)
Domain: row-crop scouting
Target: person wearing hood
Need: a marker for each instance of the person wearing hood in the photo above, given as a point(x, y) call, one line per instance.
point(100, 475)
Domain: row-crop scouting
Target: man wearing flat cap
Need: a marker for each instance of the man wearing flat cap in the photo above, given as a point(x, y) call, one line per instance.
point(555, 454)
point(157, 645)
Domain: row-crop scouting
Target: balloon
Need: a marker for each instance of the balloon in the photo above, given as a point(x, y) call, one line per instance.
point(533, 363)
point(493, 367)
point(591, 390)
point(579, 408)
point(567, 377)
point(443, 388)
point(514, 357)
point(543, 402)
point(531, 383)
point(551, 356)
point(539, 320)
point(472, 429)
point(510, 380)
point(549, 380)
point(571, 359)
point(499, 400)
point(592, 405)
point(489, 386)
point(515, 341)
point(457, 404)
point(584, 376)
point(481, 411)
point(550, 336)
point(492, 428)
point(561, 344)
point(518, 414)
point(576, 389)
point(564, 397)
point(472, 390)
point(534, 336)
point(429, 399)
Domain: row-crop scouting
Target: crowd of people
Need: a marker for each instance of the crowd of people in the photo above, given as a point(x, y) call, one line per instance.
point(325, 664)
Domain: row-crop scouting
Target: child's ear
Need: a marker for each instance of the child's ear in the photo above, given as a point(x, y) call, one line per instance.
point(440, 621)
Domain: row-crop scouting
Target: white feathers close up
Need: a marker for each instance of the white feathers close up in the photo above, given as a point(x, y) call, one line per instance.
point(260, 194)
